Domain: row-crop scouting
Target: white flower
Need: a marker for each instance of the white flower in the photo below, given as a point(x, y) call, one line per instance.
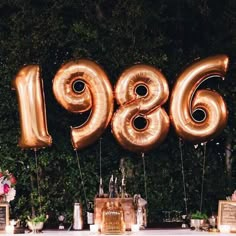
point(11, 195)
point(1, 189)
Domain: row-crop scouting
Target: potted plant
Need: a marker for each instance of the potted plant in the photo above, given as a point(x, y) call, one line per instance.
point(36, 223)
point(197, 219)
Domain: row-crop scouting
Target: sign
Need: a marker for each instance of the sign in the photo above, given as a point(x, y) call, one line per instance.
point(4, 215)
point(227, 215)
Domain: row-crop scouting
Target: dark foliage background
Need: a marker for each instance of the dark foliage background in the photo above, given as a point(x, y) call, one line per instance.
point(168, 34)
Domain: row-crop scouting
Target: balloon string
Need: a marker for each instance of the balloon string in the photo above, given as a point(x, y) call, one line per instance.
point(100, 158)
point(203, 175)
point(183, 177)
point(38, 185)
point(81, 177)
point(144, 175)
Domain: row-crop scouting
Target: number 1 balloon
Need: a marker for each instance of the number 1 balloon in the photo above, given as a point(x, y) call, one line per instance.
point(30, 95)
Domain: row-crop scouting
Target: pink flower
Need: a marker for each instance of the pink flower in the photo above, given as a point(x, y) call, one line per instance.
point(12, 179)
point(233, 197)
point(6, 188)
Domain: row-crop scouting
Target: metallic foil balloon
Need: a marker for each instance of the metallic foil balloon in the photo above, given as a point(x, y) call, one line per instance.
point(184, 101)
point(82, 85)
point(31, 101)
point(141, 90)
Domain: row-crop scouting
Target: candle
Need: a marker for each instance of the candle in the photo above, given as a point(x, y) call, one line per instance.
point(93, 228)
point(135, 228)
point(224, 228)
point(9, 229)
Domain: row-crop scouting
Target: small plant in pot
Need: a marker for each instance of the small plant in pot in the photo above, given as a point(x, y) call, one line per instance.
point(198, 219)
point(36, 223)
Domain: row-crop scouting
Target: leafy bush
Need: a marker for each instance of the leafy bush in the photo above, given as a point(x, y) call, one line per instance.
point(199, 216)
point(37, 219)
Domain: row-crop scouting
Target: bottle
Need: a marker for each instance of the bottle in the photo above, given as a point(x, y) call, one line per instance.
point(100, 191)
point(111, 188)
point(90, 214)
point(77, 217)
point(123, 189)
point(141, 214)
point(116, 194)
point(112, 218)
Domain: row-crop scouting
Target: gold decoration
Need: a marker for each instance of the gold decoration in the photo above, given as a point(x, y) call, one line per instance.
point(184, 101)
point(146, 105)
point(31, 102)
point(96, 94)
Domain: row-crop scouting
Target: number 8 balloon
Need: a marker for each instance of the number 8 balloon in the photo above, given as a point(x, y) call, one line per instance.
point(141, 90)
point(184, 101)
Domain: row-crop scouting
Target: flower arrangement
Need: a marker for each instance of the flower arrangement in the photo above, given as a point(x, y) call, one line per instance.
point(7, 186)
point(233, 197)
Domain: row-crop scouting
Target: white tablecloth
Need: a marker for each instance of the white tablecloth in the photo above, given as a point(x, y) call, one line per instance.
point(140, 233)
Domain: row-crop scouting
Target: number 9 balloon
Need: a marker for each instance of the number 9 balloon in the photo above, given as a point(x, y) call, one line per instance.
point(184, 101)
point(79, 86)
point(141, 90)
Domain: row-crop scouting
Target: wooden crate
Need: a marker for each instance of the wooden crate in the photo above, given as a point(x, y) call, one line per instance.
point(127, 205)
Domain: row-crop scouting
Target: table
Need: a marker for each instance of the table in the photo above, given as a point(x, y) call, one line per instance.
point(145, 232)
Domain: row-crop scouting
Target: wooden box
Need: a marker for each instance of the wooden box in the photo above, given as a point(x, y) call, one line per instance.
point(127, 205)
point(227, 215)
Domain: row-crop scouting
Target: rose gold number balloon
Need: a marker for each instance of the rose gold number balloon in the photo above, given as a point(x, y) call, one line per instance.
point(141, 90)
point(30, 95)
point(79, 86)
point(184, 101)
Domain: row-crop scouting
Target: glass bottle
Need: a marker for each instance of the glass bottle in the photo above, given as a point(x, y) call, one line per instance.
point(77, 217)
point(116, 194)
point(112, 218)
point(90, 214)
point(100, 191)
point(111, 188)
point(123, 189)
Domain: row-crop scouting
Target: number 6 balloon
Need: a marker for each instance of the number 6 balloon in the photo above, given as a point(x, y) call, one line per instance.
point(184, 101)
